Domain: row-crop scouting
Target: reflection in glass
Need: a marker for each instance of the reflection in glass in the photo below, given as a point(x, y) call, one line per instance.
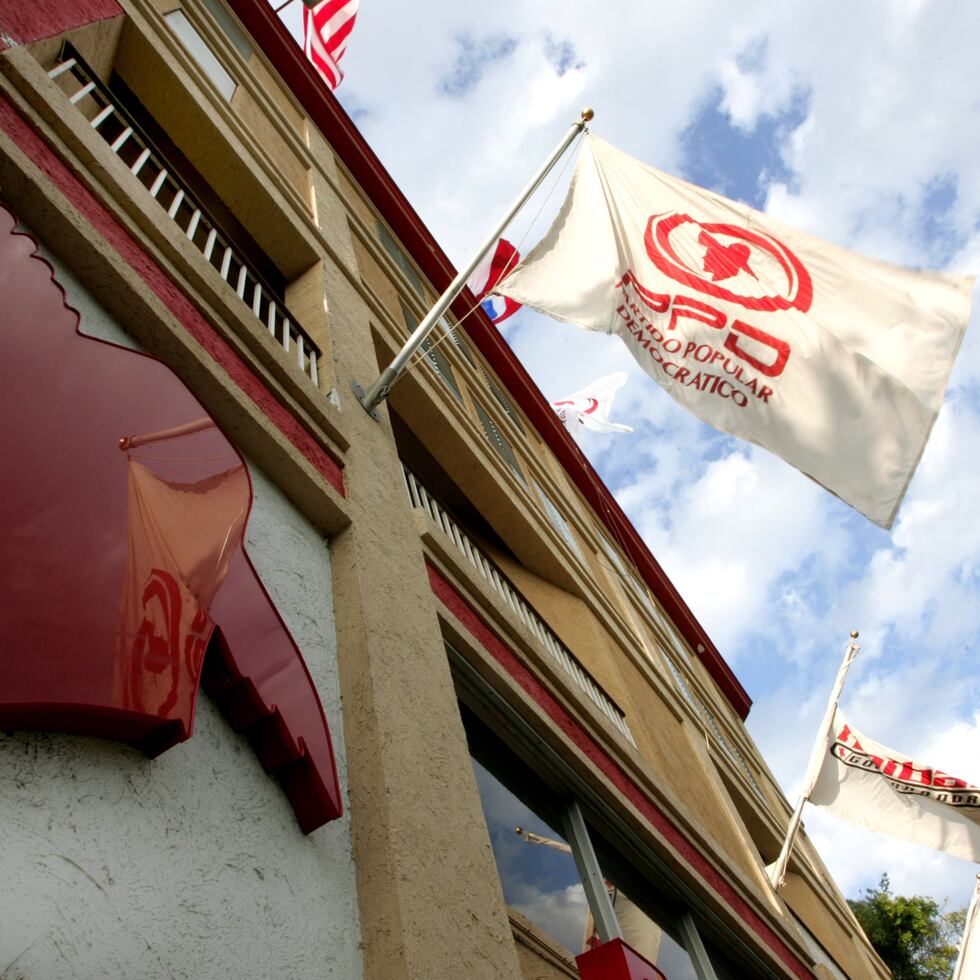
point(539, 880)
point(675, 961)
point(654, 934)
point(188, 498)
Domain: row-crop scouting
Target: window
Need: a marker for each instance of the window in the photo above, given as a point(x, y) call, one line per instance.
point(457, 340)
point(399, 258)
point(503, 401)
point(819, 954)
point(661, 946)
point(682, 684)
point(499, 443)
point(198, 49)
point(558, 522)
point(433, 354)
point(535, 863)
point(576, 885)
point(703, 713)
point(642, 594)
point(231, 29)
point(731, 751)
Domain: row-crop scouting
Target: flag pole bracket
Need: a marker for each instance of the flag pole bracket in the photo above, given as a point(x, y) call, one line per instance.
point(360, 393)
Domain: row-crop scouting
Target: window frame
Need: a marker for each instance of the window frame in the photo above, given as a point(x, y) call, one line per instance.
point(607, 828)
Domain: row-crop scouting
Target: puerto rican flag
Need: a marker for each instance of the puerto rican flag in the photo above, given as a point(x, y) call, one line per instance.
point(495, 265)
point(326, 28)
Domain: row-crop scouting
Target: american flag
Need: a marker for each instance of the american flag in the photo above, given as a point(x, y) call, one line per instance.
point(326, 28)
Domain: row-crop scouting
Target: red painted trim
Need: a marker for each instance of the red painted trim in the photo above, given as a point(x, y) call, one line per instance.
point(23, 23)
point(21, 132)
point(680, 845)
point(327, 114)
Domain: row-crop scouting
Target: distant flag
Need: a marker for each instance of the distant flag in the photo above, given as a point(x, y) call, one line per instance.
point(968, 962)
point(591, 406)
point(876, 787)
point(326, 28)
point(488, 273)
point(835, 362)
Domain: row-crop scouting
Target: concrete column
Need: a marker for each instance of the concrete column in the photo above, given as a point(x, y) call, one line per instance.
point(429, 893)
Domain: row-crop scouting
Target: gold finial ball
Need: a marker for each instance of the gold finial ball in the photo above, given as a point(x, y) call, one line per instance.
point(588, 114)
point(519, 830)
point(854, 634)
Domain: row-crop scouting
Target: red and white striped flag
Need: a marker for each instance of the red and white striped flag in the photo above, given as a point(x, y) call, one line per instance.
point(326, 28)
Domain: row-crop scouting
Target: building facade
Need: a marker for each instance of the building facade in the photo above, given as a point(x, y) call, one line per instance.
point(534, 744)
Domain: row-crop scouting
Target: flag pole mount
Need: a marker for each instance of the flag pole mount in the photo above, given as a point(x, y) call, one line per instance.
point(373, 396)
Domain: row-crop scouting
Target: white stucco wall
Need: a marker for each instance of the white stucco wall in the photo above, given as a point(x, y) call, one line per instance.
point(192, 864)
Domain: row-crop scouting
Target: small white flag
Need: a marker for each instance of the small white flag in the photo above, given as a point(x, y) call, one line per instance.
point(590, 407)
point(872, 786)
point(835, 362)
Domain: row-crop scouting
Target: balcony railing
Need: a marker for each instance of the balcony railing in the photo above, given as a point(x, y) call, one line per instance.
point(495, 578)
point(123, 135)
point(702, 711)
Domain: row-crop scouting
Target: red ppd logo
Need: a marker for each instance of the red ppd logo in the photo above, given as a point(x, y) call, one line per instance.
point(727, 262)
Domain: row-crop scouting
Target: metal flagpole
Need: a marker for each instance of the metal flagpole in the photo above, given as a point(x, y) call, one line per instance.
point(777, 870)
point(378, 392)
point(969, 970)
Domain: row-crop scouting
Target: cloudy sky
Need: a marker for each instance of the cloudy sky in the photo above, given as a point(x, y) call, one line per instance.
point(858, 122)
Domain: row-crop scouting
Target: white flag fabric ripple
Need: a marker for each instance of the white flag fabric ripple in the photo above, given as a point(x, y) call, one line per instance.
point(867, 784)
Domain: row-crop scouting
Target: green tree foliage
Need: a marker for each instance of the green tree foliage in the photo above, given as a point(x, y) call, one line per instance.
point(914, 936)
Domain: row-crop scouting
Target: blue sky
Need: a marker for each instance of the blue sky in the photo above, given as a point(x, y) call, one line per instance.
point(858, 123)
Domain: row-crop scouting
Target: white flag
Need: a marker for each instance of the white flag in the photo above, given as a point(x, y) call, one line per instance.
point(875, 787)
point(590, 407)
point(968, 962)
point(836, 362)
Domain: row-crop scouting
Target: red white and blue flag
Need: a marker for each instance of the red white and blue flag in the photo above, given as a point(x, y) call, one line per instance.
point(487, 274)
point(326, 29)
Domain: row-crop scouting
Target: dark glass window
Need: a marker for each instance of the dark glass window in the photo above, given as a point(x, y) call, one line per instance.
point(525, 790)
point(558, 522)
point(503, 401)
